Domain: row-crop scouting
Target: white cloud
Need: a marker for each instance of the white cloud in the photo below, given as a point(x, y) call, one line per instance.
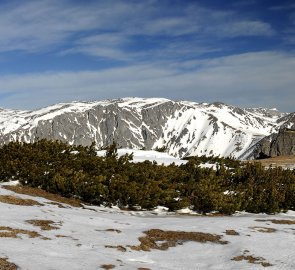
point(107, 45)
point(35, 25)
point(252, 79)
point(164, 66)
point(244, 28)
point(173, 26)
point(94, 27)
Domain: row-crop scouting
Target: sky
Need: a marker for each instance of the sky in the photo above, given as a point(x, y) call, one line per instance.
point(240, 52)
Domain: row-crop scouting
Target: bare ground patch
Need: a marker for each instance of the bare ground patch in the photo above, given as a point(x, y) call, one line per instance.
point(6, 265)
point(119, 248)
point(110, 230)
point(107, 266)
point(14, 233)
point(162, 240)
point(66, 236)
point(59, 205)
point(45, 225)
point(37, 192)
point(113, 230)
point(62, 236)
point(278, 221)
point(263, 229)
point(17, 200)
point(231, 232)
point(252, 259)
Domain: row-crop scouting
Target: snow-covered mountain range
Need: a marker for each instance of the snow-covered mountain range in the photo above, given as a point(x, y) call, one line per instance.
point(184, 128)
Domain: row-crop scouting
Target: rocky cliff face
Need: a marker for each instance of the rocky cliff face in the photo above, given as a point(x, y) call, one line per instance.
point(280, 144)
point(184, 128)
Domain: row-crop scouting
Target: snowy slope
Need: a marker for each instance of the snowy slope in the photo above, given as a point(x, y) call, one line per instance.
point(215, 129)
point(88, 239)
point(184, 128)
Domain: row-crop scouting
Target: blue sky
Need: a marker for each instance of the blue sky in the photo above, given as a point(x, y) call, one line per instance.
point(237, 52)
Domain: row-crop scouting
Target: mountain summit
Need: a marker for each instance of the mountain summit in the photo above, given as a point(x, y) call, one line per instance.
point(184, 128)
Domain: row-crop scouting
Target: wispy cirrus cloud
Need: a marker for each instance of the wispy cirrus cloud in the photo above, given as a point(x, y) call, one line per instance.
point(102, 28)
point(244, 28)
point(106, 45)
point(184, 50)
point(245, 80)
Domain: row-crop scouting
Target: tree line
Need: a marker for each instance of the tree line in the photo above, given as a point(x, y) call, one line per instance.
point(76, 171)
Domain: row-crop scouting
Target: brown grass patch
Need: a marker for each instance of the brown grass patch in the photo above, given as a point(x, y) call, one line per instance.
point(107, 266)
point(17, 200)
point(231, 232)
point(45, 225)
point(45, 238)
point(143, 268)
point(119, 248)
point(66, 236)
point(162, 240)
point(110, 230)
point(263, 229)
point(277, 221)
point(14, 233)
point(62, 236)
point(59, 205)
point(5, 265)
point(113, 230)
point(252, 259)
point(37, 192)
point(283, 161)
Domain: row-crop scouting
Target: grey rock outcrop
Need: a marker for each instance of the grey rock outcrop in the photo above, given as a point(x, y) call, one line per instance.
point(280, 144)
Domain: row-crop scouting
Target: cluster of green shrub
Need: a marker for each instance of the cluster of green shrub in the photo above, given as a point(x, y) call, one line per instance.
point(225, 161)
point(76, 171)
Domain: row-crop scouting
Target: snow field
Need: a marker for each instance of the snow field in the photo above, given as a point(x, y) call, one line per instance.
point(86, 233)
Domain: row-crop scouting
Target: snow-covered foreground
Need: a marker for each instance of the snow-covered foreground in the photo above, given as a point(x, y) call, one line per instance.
point(87, 239)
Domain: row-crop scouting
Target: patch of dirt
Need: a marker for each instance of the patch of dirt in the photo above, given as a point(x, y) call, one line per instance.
point(45, 238)
point(17, 200)
point(66, 236)
point(231, 232)
point(119, 248)
point(251, 259)
point(37, 192)
point(122, 223)
point(14, 233)
point(59, 205)
point(113, 230)
point(107, 266)
point(45, 225)
point(277, 221)
point(5, 265)
point(143, 268)
point(162, 240)
point(62, 236)
point(110, 230)
point(263, 229)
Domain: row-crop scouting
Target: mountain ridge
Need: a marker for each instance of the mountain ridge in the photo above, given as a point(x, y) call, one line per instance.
point(183, 127)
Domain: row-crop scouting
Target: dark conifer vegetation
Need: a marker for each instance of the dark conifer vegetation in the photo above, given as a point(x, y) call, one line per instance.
point(76, 171)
